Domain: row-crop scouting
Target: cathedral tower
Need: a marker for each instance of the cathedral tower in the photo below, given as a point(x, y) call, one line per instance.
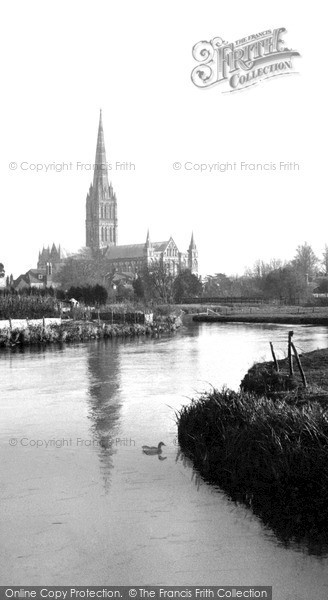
point(101, 203)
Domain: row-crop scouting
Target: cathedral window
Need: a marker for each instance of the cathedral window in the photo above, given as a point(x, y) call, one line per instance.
point(106, 234)
point(110, 235)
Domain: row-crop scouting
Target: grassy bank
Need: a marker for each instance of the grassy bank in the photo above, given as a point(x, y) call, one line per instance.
point(271, 453)
point(298, 315)
point(75, 331)
point(287, 319)
point(263, 379)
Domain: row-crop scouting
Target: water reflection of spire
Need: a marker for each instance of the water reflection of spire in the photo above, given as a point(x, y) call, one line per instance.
point(104, 408)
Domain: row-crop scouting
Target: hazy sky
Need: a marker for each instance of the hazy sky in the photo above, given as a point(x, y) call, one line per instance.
point(62, 61)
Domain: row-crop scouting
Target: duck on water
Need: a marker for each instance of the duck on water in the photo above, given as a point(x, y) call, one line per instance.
point(153, 449)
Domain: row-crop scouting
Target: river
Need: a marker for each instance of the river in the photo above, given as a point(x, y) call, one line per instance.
point(82, 505)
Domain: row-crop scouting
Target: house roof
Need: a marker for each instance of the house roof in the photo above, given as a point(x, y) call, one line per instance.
point(36, 272)
point(32, 276)
point(21, 278)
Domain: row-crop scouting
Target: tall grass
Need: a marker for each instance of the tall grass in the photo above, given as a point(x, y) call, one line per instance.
point(16, 306)
point(268, 454)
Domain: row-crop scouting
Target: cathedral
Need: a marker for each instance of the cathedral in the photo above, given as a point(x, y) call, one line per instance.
point(102, 237)
point(102, 229)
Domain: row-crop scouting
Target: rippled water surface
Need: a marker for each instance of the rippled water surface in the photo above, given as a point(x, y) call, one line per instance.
point(81, 504)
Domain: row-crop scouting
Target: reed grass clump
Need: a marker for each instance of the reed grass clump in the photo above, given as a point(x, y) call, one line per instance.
point(270, 455)
point(263, 379)
point(15, 306)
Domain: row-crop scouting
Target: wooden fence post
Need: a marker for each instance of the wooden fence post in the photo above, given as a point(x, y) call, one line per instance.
point(299, 365)
point(290, 356)
point(276, 366)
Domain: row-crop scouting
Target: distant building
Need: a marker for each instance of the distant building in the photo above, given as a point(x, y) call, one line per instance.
point(49, 262)
point(102, 228)
point(51, 259)
point(134, 257)
point(34, 278)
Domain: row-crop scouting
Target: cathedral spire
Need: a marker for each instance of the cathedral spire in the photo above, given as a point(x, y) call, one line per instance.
point(192, 245)
point(101, 203)
point(100, 177)
point(193, 256)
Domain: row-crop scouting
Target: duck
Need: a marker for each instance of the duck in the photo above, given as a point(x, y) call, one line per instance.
point(153, 449)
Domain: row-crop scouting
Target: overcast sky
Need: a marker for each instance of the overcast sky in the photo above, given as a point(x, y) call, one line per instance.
point(62, 61)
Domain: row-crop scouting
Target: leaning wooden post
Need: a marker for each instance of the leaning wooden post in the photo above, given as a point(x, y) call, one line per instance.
point(299, 365)
point(290, 356)
point(276, 366)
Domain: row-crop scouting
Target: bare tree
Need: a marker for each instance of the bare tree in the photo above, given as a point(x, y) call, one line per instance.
point(325, 259)
point(305, 260)
point(81, 271)
point(158, 282)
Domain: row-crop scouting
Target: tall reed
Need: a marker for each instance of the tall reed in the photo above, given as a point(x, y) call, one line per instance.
point(268, 454)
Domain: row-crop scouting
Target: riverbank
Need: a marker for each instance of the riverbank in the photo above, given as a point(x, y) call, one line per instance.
point(270, 453)
point(68, 331)
point(288, 315)
point(286, 319)
point(263, 379)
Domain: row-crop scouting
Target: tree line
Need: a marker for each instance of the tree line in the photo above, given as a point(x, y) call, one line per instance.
point(88, 280)
point(287, 281)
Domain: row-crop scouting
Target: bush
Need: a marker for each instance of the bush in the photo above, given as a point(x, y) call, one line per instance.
point(95, 294)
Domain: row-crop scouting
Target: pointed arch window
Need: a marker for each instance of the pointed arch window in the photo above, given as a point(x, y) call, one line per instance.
point(102, 234)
